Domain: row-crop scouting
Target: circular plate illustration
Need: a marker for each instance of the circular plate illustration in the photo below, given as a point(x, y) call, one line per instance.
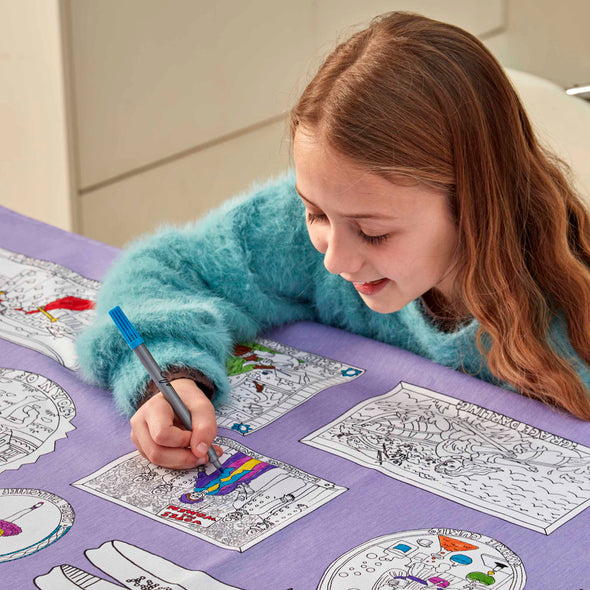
point(429, 558)
point(35, 412)
point(30, 520)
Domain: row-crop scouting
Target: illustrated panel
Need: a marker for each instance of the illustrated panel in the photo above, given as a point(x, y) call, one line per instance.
point(31, 520)
point(268, 379)
point(132, 567)
point(43, 305)
point(34, 413)
point(431, 558)
point(466, 453)
point(252, 498)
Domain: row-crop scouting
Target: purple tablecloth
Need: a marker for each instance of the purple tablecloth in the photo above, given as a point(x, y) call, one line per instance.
point(297, 556)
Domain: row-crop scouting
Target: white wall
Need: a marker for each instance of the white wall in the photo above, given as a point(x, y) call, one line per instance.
point(34, 159)
point(549, 38)
point(181, 104)
point(171, 106)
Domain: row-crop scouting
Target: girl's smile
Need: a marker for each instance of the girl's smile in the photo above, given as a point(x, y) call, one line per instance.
point(371, 288)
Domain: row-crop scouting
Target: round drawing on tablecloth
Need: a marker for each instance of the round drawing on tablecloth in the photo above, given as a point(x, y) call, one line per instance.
point(34, 413)
point(429, 558)
point(30, 520)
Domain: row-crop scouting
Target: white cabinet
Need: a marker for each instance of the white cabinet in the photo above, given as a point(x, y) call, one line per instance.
point(174, 105)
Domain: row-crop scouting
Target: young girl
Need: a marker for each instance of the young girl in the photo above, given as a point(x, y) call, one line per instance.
point(422, 212)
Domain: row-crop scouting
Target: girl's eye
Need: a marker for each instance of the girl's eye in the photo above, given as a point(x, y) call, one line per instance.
point(374, 240)
point(312, 217)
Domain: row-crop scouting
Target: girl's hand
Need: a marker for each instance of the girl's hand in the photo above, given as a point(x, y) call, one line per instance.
point(160, 437)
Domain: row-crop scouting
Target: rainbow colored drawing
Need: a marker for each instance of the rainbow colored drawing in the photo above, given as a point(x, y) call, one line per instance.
point(237, 470)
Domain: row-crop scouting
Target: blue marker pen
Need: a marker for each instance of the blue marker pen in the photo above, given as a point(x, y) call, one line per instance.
point(137, 345)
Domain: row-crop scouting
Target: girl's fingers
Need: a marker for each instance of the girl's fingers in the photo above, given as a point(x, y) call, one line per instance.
point(160, 438)
point(137, 444)
point(203, 421)
point(165, 456)
point(163, 431)
point(204, 430)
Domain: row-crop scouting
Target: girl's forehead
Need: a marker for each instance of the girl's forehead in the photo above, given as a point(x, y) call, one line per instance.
point(322, 168)
point(316, 160)
point(329, 180)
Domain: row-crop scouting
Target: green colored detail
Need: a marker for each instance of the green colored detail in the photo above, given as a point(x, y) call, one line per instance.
point(236, 366)
point(481, 577)
point(256, 346)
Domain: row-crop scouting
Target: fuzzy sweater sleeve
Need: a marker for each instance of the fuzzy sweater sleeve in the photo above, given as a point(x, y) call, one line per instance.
point(193, 292)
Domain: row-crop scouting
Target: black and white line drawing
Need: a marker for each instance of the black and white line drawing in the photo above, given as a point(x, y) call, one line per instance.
point(252, 499)
point(431, 558)
point(466, 453)
point(268, 379)
point(30, 520)
point(34, 413)
point(131, 566)
point(43, 305)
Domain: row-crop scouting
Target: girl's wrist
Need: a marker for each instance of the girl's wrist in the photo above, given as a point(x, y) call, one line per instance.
point(172, 373)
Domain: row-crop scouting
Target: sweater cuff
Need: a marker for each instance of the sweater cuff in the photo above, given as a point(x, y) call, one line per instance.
point(201, 380)
point(128, 379)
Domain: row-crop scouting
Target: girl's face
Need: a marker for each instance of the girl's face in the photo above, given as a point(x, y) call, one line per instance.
point(394, 242)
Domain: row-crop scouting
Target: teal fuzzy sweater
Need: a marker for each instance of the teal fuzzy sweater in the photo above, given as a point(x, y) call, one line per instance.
point(194, 292)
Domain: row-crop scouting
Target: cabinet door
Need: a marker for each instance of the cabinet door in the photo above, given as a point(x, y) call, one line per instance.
point(153, 79)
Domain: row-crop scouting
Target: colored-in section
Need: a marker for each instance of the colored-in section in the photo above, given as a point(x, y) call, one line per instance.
point(462, 559)
point(71, 303)
point(449, 544)
point(9, 529)
point(481, 577)
point(237, 470)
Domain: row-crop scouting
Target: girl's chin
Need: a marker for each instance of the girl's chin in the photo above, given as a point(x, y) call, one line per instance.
point(384, 306)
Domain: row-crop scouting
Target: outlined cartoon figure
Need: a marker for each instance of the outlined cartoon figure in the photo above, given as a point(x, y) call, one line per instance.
point(8, 526)
point(31, 520)
point(133, 568)
point(428, 558)
point(251, 499)
point(466, 453)
point(268, 379)
point(165, 481)
point(35, 412)
point(470, 450)
point(43, 305)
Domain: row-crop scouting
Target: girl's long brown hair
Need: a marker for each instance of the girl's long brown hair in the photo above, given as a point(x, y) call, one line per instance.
point(413, 96)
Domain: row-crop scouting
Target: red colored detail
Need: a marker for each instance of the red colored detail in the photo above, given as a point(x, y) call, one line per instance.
point(71, 303)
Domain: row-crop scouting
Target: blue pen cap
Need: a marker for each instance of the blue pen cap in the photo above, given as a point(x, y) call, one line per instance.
point(125, 327)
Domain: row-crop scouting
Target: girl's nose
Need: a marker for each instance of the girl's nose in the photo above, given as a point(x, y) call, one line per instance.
point(341, 254)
